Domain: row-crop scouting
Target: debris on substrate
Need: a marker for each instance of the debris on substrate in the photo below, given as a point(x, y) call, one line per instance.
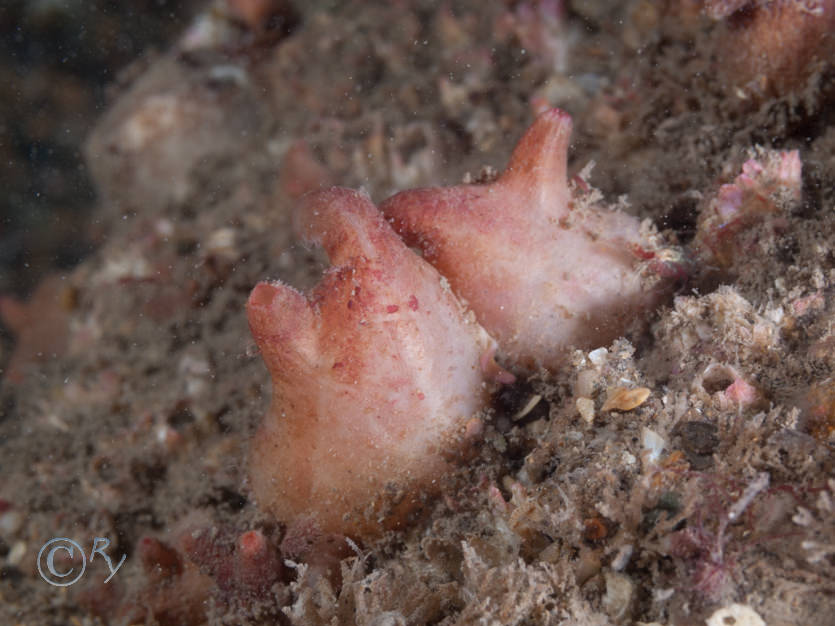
point(678, 475)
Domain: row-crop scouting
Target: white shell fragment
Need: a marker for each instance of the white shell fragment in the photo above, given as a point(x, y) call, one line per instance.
point(624, 399)
point(735, 615)
point(529, 406)
point(653, 444)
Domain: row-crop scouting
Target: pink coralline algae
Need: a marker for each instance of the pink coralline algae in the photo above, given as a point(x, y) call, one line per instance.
point(543, 268)
point(768, 186)
point(377, 377)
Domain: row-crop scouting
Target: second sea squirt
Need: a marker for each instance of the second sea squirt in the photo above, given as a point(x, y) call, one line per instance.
point(543, 268)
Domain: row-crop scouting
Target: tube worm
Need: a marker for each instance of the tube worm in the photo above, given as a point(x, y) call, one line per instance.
point(542, 270)
point(376, 376)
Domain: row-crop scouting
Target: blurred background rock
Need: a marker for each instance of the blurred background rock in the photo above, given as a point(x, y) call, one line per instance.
point(57, 60)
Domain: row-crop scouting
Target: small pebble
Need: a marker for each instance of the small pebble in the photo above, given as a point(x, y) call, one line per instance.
point(598, 357)
point(622, 557)
point(699, 440)
point(16, 554)
point(10, 523)
point(585, 407)
point(618, 597)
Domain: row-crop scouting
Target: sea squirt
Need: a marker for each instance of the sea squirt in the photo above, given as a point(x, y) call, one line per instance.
point(377, 376)
point(543, 268)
